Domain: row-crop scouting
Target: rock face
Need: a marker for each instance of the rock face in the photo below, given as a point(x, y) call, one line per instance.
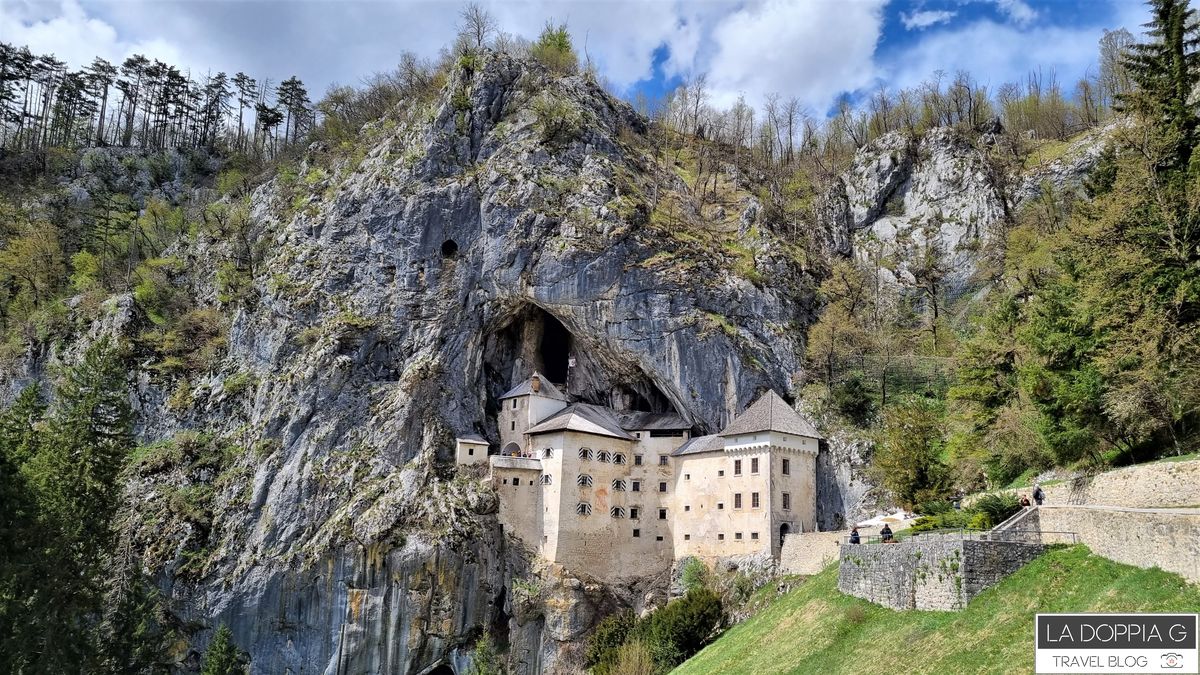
point(502, 228)
point(939, 199)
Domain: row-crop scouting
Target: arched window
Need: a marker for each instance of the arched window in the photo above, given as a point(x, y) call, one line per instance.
point(584, 480)
point(546, 480)
point(585, 453)
point(618, 458)
point(617, 512)
point(583, 509)
point(548, 453)
point(602, 456)
point(618, 485)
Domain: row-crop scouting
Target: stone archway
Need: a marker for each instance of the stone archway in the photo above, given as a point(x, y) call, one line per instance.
point(511, 450)
point(783, 532)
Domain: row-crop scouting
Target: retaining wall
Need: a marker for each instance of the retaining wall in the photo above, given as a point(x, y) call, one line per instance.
point(1157, 485)
point(929, 571)
point(1164, 538)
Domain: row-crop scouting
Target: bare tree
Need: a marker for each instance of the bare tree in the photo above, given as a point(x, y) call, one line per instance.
point(476, 25)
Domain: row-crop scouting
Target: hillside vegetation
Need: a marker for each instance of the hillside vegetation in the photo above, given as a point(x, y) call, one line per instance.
point(816, 629)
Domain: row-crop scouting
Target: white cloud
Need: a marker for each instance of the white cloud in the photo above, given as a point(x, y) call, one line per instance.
point(811, 50)
point(926, 18)
point(1017, 11)
point(65, 29)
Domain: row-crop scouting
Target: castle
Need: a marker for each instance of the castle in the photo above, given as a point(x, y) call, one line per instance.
point(618, 495)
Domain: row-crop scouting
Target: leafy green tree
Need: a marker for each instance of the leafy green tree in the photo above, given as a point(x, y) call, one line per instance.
point(908, 455)
point(221, 657)
point(554, 49)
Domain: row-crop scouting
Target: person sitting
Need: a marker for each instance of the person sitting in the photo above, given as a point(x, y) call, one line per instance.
point(885, 534)
point(854, 538)
point(1024, 501)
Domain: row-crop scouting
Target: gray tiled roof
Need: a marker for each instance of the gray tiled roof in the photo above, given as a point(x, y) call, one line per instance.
point(584, 417)
point(699, 444)
point(641, 421)
point(474, 438)
point(770, 413)
point(525, 388)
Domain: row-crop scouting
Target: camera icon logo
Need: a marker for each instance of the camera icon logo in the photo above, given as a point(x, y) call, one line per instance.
point(1172, 660)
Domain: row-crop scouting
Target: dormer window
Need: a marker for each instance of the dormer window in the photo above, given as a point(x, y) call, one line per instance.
point(618, 485)
point(585, 453)
point(584, 480)
point(583, 509)
point(602, 456)
point(618, 458)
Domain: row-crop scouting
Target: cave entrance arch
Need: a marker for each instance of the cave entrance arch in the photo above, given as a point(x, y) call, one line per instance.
point(511, 450)
point(441, 669)
point(555, 349)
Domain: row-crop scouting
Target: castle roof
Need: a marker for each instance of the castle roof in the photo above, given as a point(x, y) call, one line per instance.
point(770, 413)
point(699, 444)
point(472, 438)
point(548, 390)
point(642, 421)
point(584, 417)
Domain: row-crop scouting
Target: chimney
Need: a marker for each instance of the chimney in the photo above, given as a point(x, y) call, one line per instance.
point(535, 383)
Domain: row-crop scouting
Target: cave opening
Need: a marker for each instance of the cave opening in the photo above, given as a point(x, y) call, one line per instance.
point(442, 669)
point(449, 248)
point(555, 349)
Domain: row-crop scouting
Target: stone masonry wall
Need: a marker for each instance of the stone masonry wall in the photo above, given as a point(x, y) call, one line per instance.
point(808, 553)
point(1164, 538)
point(929, 572)
point(1157, 485)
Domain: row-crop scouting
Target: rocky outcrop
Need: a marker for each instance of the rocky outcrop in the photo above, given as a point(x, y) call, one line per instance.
point(398, 289)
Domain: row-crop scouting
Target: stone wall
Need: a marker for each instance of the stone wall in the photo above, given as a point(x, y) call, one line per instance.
point(1164, 538)
point(808, 553)
point(1157, 485)
point(928, 572)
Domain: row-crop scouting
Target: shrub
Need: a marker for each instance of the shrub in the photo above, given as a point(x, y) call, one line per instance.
point(558, 122)
point(853, 401)
point(601, 653)
point(221, 658)
point(695, 575)
point(553, 49)
point(998, 508)
point(634, 658)
point(676, 632)
point(935, 507)
point(485, 660)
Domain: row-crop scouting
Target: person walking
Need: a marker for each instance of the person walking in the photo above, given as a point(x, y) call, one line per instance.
point(854, 538)
point(1038, 495)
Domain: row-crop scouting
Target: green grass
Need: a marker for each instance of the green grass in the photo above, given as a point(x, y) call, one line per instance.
point(816, 629)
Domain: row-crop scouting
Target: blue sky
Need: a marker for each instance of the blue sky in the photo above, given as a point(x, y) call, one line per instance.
point(815, 50)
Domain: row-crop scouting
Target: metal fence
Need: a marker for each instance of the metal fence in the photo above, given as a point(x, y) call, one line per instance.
point(966, 533)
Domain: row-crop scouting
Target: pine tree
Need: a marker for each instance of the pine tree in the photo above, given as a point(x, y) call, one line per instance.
point(221, 658)
point(1164, 72)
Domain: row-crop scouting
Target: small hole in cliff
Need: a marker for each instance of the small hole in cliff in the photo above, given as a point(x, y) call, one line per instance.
point(555, 349)
point(449, 248)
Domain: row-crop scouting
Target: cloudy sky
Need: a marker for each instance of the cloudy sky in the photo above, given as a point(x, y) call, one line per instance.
point(816, 50)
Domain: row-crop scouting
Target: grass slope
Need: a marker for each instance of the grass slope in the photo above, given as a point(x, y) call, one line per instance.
point(816, 629)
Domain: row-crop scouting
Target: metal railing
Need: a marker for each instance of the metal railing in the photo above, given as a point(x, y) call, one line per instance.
point(972, 534)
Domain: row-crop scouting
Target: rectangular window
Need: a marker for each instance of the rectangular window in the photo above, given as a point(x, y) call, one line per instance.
point(687, 507)
point(662, 514)
point(720, 506)
point(687, 476)
point(753, 465)
point(787, 501)
point(721, 537)
point(737, 467)
point(637, 533)
point(687, 537)
point(637, 486)
point(634, 512)
point(512, 426)
point(470, 451)
point(514, 404)
point(787, 467)
point(737, 500)
point(637, 460)
point(662, 460)
point(754, 535)
point(737, 535)
point(658, 538)
point(754, 500)
point(516, 481)
point(662, 487)
point(721, 473)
